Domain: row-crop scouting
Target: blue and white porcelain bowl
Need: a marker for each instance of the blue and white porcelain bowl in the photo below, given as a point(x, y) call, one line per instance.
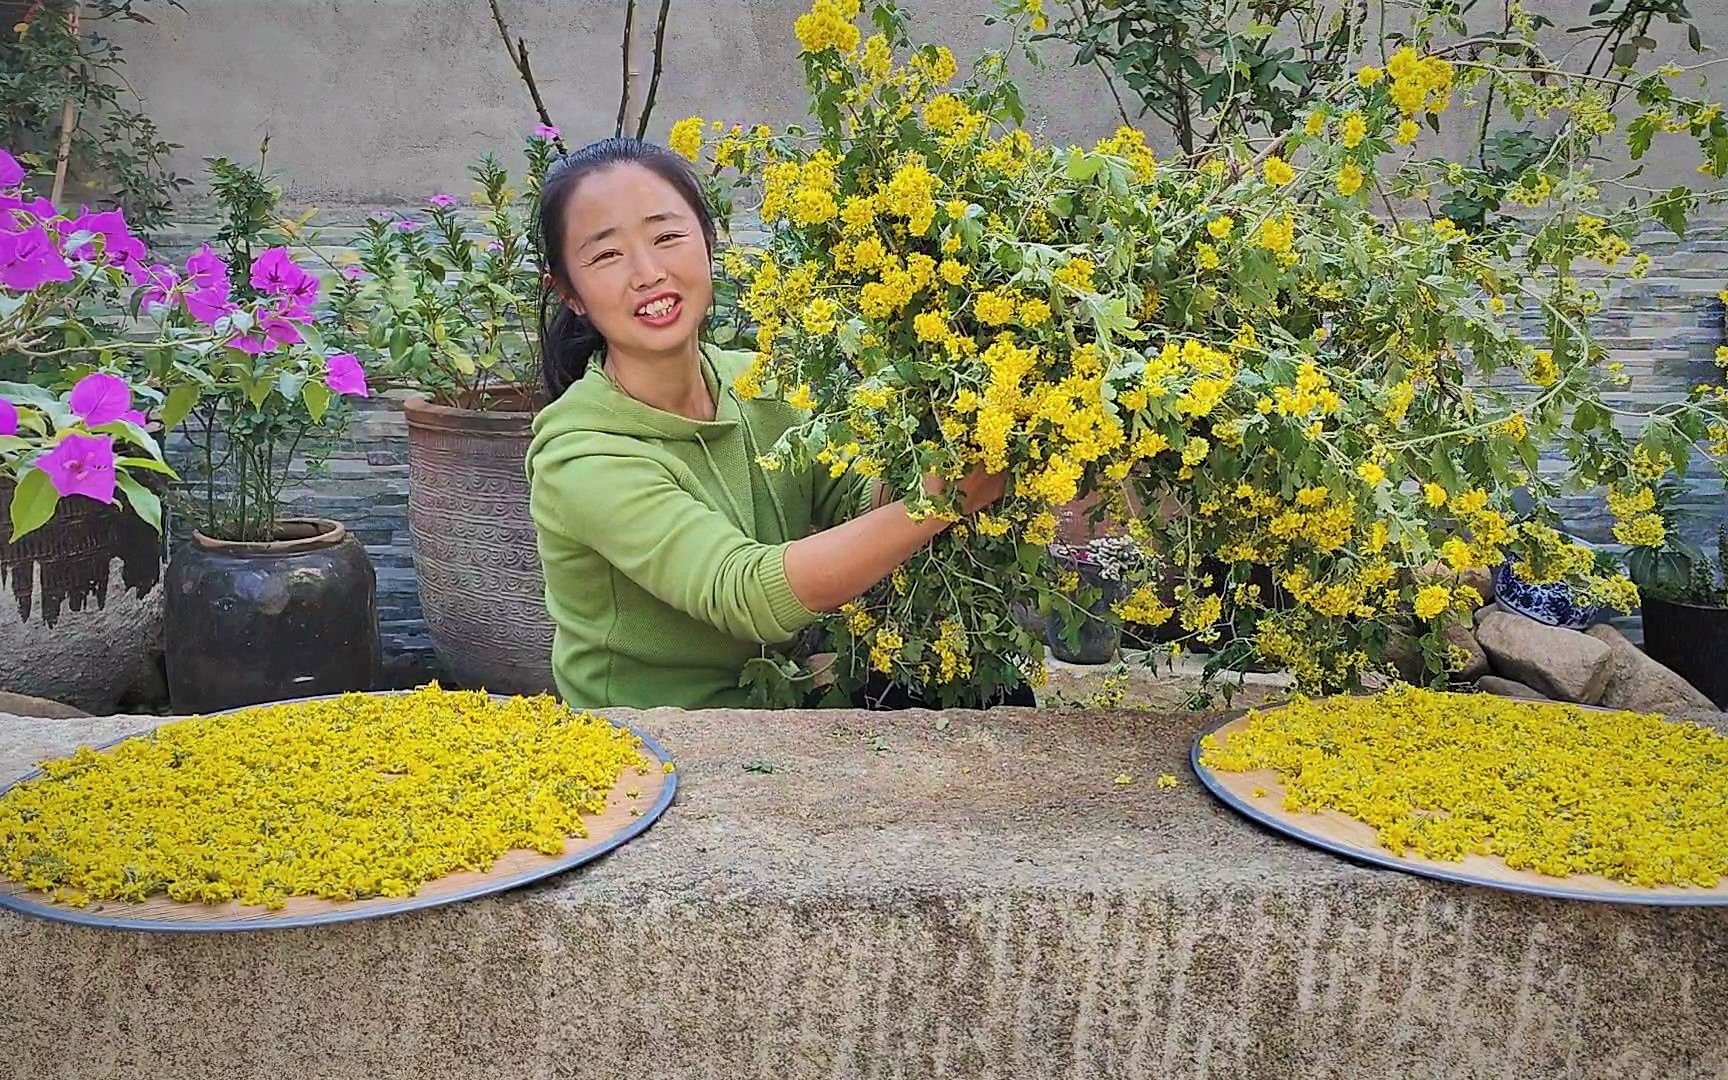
point(1556, 604)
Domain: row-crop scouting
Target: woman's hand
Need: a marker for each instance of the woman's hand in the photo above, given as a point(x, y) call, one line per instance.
point(977, 490)
point(840, 564)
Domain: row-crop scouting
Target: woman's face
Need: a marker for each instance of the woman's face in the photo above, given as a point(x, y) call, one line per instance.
point(637, 259)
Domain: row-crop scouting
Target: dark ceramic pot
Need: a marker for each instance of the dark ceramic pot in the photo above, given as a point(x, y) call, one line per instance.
point(1099, 636)
point(475, 552)
point(1692, 639)
point(254, 622)
point(80, 605)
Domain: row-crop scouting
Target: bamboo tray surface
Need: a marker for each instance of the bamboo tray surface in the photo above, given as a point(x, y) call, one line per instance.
point(606, 831)
point(1330, 830)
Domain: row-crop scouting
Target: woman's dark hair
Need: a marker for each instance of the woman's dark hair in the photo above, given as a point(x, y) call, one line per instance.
point(568, 340)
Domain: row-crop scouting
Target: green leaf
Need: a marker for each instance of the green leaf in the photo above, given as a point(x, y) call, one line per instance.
point(317, 398)
point(132, 433)
point(150, 464)
point(288, 384)
point(1082, 166)
point(1672, 209)
point(33, 503)
point(144, 501)
point(179, 403)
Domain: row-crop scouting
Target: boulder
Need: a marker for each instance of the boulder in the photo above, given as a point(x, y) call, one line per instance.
point(1562, 664)
point(1464, 638)
point(1637, 682)
point(42, 708)
point(1494, 684)
point(1479, 578)
point(1404, 653)
point(1484, 611)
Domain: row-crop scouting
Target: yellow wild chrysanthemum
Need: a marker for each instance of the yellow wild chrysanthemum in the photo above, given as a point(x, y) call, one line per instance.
point(348, 798)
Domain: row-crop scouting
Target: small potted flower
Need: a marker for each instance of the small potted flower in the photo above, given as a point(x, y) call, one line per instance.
point(261, 605)
point(445, 305)
point(80, 476)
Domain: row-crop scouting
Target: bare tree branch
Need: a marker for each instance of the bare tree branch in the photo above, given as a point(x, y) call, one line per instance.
point(518, 53)
point(654, 79)
point(624, 93)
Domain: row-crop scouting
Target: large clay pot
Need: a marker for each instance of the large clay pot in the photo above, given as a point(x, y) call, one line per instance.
point(80, 605)
point(1691, 640)
point(254, 622)
point(474, 546)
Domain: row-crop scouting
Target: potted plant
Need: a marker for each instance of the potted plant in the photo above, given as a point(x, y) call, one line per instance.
point(260, 606)
point(447, 303)
point(80, 476)
point(1683, 600)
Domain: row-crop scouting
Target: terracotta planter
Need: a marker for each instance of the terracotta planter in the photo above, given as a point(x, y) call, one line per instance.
point(80, 605)
point(256, 622)
point(474, 546)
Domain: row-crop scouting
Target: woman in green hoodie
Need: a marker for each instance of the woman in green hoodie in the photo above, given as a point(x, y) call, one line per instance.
point(671, 557)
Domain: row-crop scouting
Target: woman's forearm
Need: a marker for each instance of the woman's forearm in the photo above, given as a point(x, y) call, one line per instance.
point(841, 564)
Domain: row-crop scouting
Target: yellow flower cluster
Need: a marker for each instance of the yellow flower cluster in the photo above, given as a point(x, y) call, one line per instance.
point(354, 797)
point(1315, 387)
point(1556, 789)
point(828, 25)
point(1419, 83)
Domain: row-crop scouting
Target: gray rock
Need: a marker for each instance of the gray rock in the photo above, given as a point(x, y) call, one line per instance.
point(1479, 578)
point(1562, 664)
point(25, 705)
point(1494, 684)
point(1464, 638)
point(1637, 682)
point(1484, 611)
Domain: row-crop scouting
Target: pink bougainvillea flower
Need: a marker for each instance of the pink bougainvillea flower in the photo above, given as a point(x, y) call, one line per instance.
point(207, 274)
point(100, 398)
point(119, 246)
point(26, 212)
point(29, 259)
point(345, 376)
point(210, 305)
point(274, 330)
point(273, 270)
point(276, 273)
point(352, 273)
point(545, 131)
point(8, 411)
point(81, 465)
point(11, 173)
point(159, 283)
point(133, 416)
point(441, 201)
point(206, 270)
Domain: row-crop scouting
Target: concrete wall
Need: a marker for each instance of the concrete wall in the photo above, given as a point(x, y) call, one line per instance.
point(980, 902)
point(387, 100)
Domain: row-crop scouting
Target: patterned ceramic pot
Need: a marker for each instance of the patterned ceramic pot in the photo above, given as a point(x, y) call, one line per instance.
point(1555, 604)
point(474, 546)
point(80, 605)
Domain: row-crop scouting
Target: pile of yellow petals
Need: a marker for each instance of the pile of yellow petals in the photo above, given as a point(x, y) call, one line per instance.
point(353, 797)
point(1552, 788)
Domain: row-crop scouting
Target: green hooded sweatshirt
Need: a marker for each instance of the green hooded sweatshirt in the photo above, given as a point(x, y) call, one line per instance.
point(664, 542)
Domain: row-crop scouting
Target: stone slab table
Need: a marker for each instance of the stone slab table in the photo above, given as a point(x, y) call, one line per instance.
point(899, 899)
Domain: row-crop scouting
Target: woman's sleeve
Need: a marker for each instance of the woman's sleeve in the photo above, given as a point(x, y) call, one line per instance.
point(638, 518)
point(837, 499)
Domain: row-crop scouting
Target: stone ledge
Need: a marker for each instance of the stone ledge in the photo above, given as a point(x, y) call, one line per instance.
point(980, 901)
